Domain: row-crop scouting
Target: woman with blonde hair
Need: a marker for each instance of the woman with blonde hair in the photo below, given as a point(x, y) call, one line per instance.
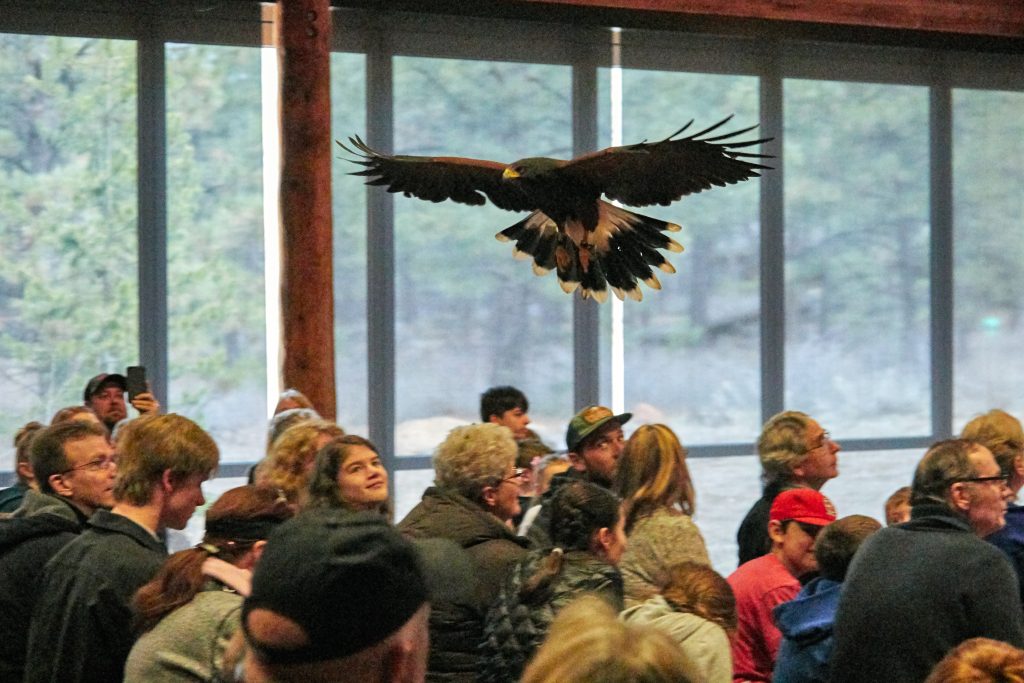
point(587, 643)
point(697, 609)
point(349, 475)
point(655, 484)
point(289, 463)
point(474, 497)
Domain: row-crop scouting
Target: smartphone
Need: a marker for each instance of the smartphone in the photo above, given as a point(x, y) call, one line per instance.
point(136, 379)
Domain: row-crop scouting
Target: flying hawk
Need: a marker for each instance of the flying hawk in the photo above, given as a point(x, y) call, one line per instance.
point(590, 243)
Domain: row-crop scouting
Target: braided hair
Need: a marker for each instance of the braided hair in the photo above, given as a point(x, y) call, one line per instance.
point(579, 509)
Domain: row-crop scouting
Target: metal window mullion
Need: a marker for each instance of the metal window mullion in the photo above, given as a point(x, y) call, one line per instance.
point(773, 244)
point(152, 210)
point(940, 114)
point(380, 255)
point(586, 313)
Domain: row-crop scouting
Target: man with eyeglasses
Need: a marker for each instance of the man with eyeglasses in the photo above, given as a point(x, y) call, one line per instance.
point(595, 441)
point(795, 452)
point(919, 589)
point(795, 518)
point(81, 624)
point(74, 465)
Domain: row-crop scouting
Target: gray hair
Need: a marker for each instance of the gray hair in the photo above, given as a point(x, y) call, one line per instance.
point(472, 457)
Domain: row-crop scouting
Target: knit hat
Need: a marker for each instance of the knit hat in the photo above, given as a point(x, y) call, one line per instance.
point(588, 421)
point(803, 505)
point(349, 580)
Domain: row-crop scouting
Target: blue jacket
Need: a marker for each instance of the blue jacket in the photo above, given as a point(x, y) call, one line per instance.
point(806, 626)
point(1010, 539)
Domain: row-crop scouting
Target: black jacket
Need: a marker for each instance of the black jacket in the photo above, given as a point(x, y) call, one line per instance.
point(81, 626)
point(44, 525)
point(514, 630)
point(752, 536)
point(456, 627)
point(916, 590)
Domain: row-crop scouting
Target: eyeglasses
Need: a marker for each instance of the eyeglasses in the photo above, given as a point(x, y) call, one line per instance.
point(517, 474)
point(1001, 478)
point(95, 465)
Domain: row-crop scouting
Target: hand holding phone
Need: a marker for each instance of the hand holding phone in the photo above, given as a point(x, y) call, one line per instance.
point(135, 377)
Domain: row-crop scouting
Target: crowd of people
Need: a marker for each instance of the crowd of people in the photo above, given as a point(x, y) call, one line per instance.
point(522, 562)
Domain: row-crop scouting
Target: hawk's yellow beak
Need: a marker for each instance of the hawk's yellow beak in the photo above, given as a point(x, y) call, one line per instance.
point(509, 174)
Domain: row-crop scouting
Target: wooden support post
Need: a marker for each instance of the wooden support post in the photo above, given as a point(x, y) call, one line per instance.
point(307, 286)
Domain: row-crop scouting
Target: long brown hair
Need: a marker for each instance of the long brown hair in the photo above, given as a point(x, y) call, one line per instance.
point(698, 589)
point(652, 474)
point(234, 524)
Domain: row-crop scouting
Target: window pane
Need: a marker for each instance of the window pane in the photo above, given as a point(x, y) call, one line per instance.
point(988, 147)
point(468, 315)
point(701, 329)
point(348, 113)
point(857, 336)
point(217, 332)
point(68, 296)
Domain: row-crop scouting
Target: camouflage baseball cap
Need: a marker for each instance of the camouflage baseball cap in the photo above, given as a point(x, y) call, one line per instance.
point(588, 421)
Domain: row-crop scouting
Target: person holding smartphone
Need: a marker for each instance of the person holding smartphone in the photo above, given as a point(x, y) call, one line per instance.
point(105, 395)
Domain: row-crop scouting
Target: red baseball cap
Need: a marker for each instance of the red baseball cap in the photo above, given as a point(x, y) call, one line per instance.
point(803, 505)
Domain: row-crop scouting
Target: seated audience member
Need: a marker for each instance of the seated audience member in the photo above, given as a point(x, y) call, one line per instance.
point(289, 463)
point(795, 518)
point(795, 452)
point(11, 497)
point(353, 608)
point(508, 407)
point(697, 609)
point(980, 660)
point(68, 413)
point(587, 643)
point(81, 625)
point(186, 618)
point(76, 471)
point(348, 475)
point(473, 498)
point(1002, 434)
point(897, 507)
point(291, 399)
point(586, 529)
point(806, 620)
point(655, 483)
point(916, 590)
point(595, 441)
point(104, 394)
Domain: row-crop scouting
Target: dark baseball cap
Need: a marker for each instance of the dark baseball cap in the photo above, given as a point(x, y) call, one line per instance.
point(101, 381)
point(349, 580)
point(588, 421)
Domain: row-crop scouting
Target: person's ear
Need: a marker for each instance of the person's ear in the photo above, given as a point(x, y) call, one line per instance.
point(577, 461)
point(775, 531)
point(25, 470)
point(256, 552)
point(58, 484)
point(167, 481)
point(603, 539)
point(494, 419)
point(959, 496)
point(490, 496)
point(1018, 466)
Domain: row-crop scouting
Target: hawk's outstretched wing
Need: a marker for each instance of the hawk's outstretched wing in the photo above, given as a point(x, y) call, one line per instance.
point(662, 172)
point(437, 179)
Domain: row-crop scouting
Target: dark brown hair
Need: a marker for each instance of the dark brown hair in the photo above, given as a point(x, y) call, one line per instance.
point(323, 481)
point(234, 523)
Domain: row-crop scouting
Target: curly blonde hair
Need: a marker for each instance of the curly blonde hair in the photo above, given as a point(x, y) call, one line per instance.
point(289, 463)
point(999, 432)
point(980, 660)
point(472, 457)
